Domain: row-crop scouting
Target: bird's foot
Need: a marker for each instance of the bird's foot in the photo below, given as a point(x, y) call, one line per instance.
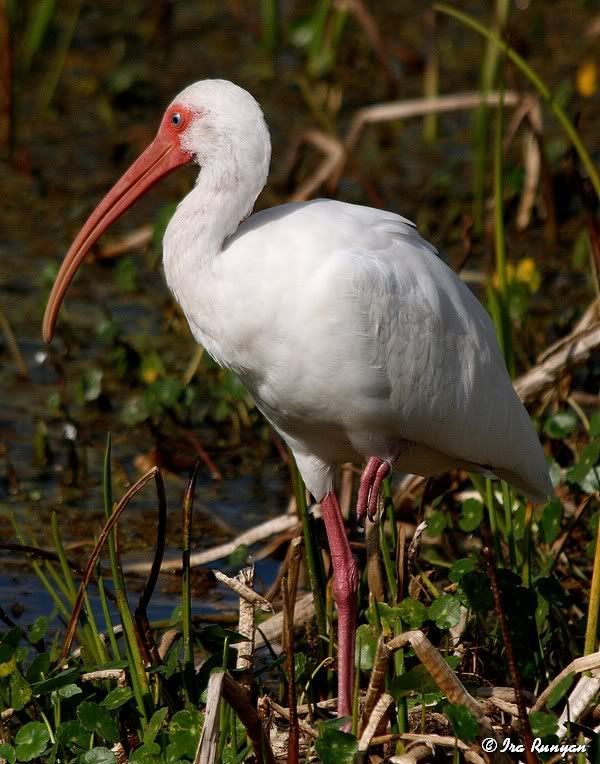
point(370, 484)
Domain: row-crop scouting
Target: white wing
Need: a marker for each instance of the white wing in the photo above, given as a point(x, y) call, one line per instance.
point(356, 339)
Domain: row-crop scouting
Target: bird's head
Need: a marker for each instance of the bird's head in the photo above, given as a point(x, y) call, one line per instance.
point(212, 122)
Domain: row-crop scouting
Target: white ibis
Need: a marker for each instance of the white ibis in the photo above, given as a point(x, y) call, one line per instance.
point(354, 338)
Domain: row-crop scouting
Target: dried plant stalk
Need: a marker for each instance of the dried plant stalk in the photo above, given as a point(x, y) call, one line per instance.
point(585, 663)
point(245, 592)
point(207, 745)
point(381, 707)
point(245, 650)
point(377, 680)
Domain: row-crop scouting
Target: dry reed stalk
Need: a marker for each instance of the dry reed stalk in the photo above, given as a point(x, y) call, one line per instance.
point(103, 674)
point(333, 153)
point(136, 239)
point(579, 665)
point(445, 741)
point(245, 650)
point(244, 591)
point(418, 107)
point(376, 686)
point(280, 524)
point(207, 745)
point(377, 714)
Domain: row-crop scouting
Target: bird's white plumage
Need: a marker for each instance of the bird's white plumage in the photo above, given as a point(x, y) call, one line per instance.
point(353, 336)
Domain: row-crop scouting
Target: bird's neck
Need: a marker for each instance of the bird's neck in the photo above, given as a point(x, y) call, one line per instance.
point(195, 237)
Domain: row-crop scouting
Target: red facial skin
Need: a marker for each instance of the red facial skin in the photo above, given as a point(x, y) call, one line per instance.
point(162, 156)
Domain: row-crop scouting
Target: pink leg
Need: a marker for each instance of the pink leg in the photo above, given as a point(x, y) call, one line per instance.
point(345, 588)
point(370, 484)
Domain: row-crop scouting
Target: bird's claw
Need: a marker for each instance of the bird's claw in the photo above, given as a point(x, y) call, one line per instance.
point(370, 484)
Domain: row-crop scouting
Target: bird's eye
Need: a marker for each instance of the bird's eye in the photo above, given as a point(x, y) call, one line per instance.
point(176, 119)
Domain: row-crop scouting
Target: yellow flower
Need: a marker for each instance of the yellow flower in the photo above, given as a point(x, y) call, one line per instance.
point(527, 273)
point(587, 79)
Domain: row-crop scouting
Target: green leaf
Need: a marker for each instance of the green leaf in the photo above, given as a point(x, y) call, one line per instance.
point(445, 611)
point(96, 719)
point(461, 568)
point(560, 425)
point(471, 515)
point(587, 461)
point(145, 753)
point(412, 612)
point(417, 680)
point(543, 724)
point(558, 692)
point(366, 643)
point(477, 590)
point(38, 629)
point(8, 662)
point(56, 681)
point(31, 740)
point(72, 735)
point(39, 668)
point(335, 747)
point(19, 691)
point(595, 425)
point(551, 519)
point(66, 692)
point(463, 722)
point(436, 523)
point(238, 557)
point(8, 752)
point(155, 724)
point(98, 755)
point(117, 698)
point(184, 733)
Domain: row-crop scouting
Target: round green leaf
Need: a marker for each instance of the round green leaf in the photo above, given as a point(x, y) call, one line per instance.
point(72, 735)
point(471, 515)
point(38, 629)
point(31, 740)
point(96, 719)
point(461, 568)
point(412, 612)
point(445, 611)
point(8, 753)
point(98, 755)
point(335, 747)
point(436, 523)
point(19, 691)
point(184, 733)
